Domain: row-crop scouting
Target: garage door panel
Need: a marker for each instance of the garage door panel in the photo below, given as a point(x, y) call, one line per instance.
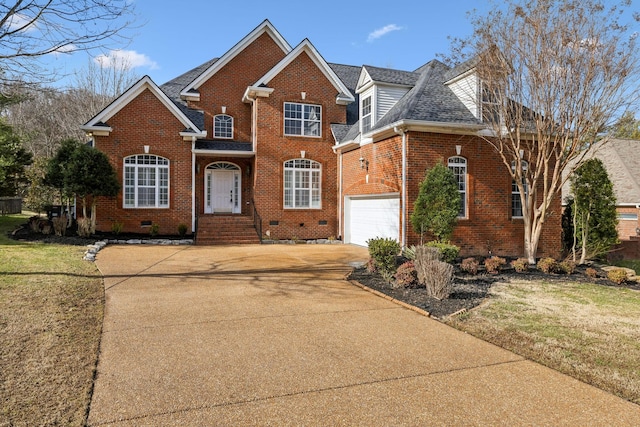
point(373, 217)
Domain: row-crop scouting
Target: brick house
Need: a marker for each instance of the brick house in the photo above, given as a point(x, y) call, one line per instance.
point(271, 140)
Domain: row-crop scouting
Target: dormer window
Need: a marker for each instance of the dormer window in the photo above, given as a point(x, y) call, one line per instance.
point(490, 104)
point(365, 114)
point(223, 126)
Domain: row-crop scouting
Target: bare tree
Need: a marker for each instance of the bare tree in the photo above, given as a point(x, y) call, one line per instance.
point(32, 29)
point(552, 74)
point(46, 116)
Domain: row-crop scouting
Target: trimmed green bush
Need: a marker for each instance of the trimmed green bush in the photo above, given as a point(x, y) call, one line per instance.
point(384, 252)
point(449, 252)
point(182, 229)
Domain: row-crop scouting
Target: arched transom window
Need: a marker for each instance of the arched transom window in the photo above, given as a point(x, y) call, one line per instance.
point(223, 126)
point(146, 181)
point(302, 184)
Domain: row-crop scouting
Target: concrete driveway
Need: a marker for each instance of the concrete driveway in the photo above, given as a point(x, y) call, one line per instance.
point(273, 335)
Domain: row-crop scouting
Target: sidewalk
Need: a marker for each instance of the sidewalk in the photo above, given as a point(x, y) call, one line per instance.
point(273, 335)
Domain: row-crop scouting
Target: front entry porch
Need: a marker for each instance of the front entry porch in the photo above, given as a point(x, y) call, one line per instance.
point(222, 188)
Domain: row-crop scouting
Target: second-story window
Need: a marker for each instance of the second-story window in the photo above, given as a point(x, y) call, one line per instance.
point(223, 126)
point(365, 114)
point(302, 119)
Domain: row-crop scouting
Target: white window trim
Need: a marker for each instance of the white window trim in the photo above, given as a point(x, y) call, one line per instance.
point(515, 190)
point(136, 168)
point(302, 120)
point(463, 194)
point(311, 172)
point(215, 128)
point(370, 115)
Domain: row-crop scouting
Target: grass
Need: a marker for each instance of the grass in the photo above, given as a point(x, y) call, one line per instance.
point(51, 309)
point(588, 331)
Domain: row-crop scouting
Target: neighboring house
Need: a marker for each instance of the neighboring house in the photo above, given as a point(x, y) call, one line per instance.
point(272, 140)
point(621, 158)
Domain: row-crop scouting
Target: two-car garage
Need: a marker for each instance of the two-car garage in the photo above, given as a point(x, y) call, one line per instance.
point(369, 216)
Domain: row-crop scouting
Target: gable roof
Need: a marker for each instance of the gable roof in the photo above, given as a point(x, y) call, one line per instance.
point(265, 27)
point(387, 76)
point(621, 158)
point(344, 95)
point(98, 122)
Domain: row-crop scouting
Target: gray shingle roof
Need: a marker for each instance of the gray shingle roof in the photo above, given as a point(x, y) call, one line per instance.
point(208, 144)
point(349, 74)
point(621, 158)
point(173, 87)
point(429, 100)
point(387, 75)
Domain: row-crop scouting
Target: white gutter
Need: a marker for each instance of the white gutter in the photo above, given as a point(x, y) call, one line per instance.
point(193, 184)
point(401, 131)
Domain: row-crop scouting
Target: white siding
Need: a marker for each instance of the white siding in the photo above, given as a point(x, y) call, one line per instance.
point(466, 89)
point(387, 98)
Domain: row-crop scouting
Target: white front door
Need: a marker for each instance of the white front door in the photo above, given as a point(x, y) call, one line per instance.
point(222, 189)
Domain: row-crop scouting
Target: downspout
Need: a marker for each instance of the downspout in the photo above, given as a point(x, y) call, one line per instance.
point(339, 153)
point(401, 131)
point(193, 184)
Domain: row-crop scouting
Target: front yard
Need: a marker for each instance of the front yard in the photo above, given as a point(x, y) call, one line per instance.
point(586, 330)
point(51, 308)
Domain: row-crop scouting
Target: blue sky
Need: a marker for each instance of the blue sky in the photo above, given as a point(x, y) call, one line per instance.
point(175, 36)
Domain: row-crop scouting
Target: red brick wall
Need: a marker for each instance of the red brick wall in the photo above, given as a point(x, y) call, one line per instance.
point(488, 226)
point(146, 121)
point(626, 227)
point(274, 148)
point(228, 85)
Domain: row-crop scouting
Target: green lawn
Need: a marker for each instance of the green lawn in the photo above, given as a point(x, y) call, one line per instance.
point(51, 309)
point(588, 331)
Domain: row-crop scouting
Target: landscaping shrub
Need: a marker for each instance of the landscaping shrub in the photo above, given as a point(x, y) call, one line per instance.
point(567, 266)
point(154, 229)
point(182, 229)
point(60, 225)
point(470, 265)
point(520, 265)
point(409, 252)
point(547, 265)
point(116, 227)
point(448, 251)
point(427, 253)
point(384, 252)
point(84, 227)
point(617, 276)
point(406, 275)
point(493, 264)
point(591, 272)
point(371, 266)
point(437, 277)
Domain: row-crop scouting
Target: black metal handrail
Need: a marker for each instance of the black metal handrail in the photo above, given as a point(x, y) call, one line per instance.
point(257, 221)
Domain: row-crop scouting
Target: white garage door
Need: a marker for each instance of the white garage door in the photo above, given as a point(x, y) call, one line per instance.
point(370, 217)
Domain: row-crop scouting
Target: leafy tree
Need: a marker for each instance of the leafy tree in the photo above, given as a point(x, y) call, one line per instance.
point(438, 203)
point(84, 172)
point(627, 127)
point(552, 75)
point(13, 161)
point(594, 210)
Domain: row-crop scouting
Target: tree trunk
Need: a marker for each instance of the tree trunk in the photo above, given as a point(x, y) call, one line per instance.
point(93, 216)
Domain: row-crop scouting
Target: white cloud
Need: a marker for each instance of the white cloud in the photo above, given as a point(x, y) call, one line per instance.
point(383, 31)
point(126, 59)
point(18, 21)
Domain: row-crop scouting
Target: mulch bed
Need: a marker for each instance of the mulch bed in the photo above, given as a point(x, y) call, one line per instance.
point(469, 291)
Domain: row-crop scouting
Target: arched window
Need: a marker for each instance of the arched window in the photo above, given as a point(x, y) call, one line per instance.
point(146, 181)
point(302, 184)
point(516, 200)
point(223, 126)
point(458, 165)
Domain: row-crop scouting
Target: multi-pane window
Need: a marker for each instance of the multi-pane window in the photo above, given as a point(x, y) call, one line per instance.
point(458, 166)
point(223, 126)
point(302, 187)
point(490, 105)
point(146, 181)
point(365, 114)
point(516, 200)
point(302, 119)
